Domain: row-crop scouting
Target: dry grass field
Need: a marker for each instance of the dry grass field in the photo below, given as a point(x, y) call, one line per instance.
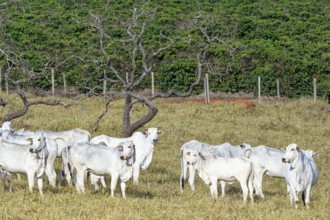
point(158, 196)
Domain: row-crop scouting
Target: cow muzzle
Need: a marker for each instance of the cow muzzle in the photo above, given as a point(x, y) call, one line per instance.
point(122, 158)
point(155, 141)
point(284, 160)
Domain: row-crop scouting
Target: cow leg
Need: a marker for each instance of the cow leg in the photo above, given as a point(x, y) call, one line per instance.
point(19, 177)
point(308, 195)
point(80, 181)
point(40, 183)
point(114, 179)
point(223, 188)
point(250, 185)
point(3, 178)
point(245, 189)
point(257, 182)
point(191, 177)
point(50, 172)
point(123, 189)
point(214, 188)
point(136, 173)
point(31, 181)
point(102, 180)
point(10, 181)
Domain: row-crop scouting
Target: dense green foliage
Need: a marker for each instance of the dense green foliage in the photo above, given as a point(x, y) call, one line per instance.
point(288, 40)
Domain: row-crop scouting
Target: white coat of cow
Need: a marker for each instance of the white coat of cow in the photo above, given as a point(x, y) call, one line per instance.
point(266, 160)
point(300, 173)
point(17, 158)
point(212, 168)
point(101, 160)
point(225, 150)
point(51, 146)
point(144, 146)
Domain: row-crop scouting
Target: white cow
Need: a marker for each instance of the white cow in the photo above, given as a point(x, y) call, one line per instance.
point(101, 160)
point(16, 158)
point(212, 168)
point(51, 146)
point(300, 173)
point(267, 161)
point(225, 150)
point(144, 146)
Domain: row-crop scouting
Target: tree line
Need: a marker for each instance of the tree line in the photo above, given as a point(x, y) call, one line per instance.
point(87, 41)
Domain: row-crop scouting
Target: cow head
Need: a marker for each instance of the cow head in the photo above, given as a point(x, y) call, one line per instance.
point(192, 157)
point(38, 142)
point(127, 151)
point(152, 134)
point(291, 153)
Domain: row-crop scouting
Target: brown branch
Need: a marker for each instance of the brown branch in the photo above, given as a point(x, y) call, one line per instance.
point(102, 115)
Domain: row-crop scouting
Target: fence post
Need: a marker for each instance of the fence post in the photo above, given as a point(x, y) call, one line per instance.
point(207, 89)
point(152, 83)
point(53, 82)
point(104, 86)
point(259, 90)
point(64, 84)
point(314, 88)
point(278, 88)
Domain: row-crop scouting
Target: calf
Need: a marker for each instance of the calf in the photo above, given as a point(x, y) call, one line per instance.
point(144, 144)
point(101, 160)
point(17, 158)
point(300, 173)
point(225, 150)
point(212, 168)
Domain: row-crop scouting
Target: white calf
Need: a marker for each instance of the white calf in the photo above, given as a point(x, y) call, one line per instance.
point(300, 173)
point(101, 160)
point(225, 150)
point(16, 158)
point(212, 168)
point(144, 147)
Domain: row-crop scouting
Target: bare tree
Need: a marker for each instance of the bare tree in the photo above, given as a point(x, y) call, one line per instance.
point(15, 63)
point(141, 60)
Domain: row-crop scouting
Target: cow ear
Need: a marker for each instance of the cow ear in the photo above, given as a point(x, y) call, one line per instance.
point(283, 149)
point(30, 140)
point(315, 154)
point(188, 153)
point(160, 132)
point(102, 143)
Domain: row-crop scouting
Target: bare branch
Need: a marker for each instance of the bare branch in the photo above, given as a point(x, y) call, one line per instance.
point(102, 115)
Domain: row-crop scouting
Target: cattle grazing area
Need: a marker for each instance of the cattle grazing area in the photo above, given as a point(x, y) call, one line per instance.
point(158, 194)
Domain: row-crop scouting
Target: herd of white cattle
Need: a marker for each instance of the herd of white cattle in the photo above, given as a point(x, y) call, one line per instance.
point(34, 154)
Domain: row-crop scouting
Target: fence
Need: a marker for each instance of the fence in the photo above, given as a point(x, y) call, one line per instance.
point(206, 86)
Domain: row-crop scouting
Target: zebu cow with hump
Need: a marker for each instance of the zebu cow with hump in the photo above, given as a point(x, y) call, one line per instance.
point(212, 168)
point(25, 138)
point(102, 160)
point(144, 143)
point(225, 150)
point(30, 159)
point(300, 173)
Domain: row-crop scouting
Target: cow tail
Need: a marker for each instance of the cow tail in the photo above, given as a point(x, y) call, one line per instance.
point(183, 173)
point(303, 197)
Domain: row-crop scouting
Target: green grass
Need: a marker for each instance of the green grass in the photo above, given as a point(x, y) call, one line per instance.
point(158, 196)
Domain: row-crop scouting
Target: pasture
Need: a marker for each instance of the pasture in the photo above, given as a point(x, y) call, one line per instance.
point(158, 196)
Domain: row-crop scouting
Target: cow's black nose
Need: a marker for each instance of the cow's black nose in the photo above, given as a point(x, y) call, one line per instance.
point(283, 160)
point(122, 158)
